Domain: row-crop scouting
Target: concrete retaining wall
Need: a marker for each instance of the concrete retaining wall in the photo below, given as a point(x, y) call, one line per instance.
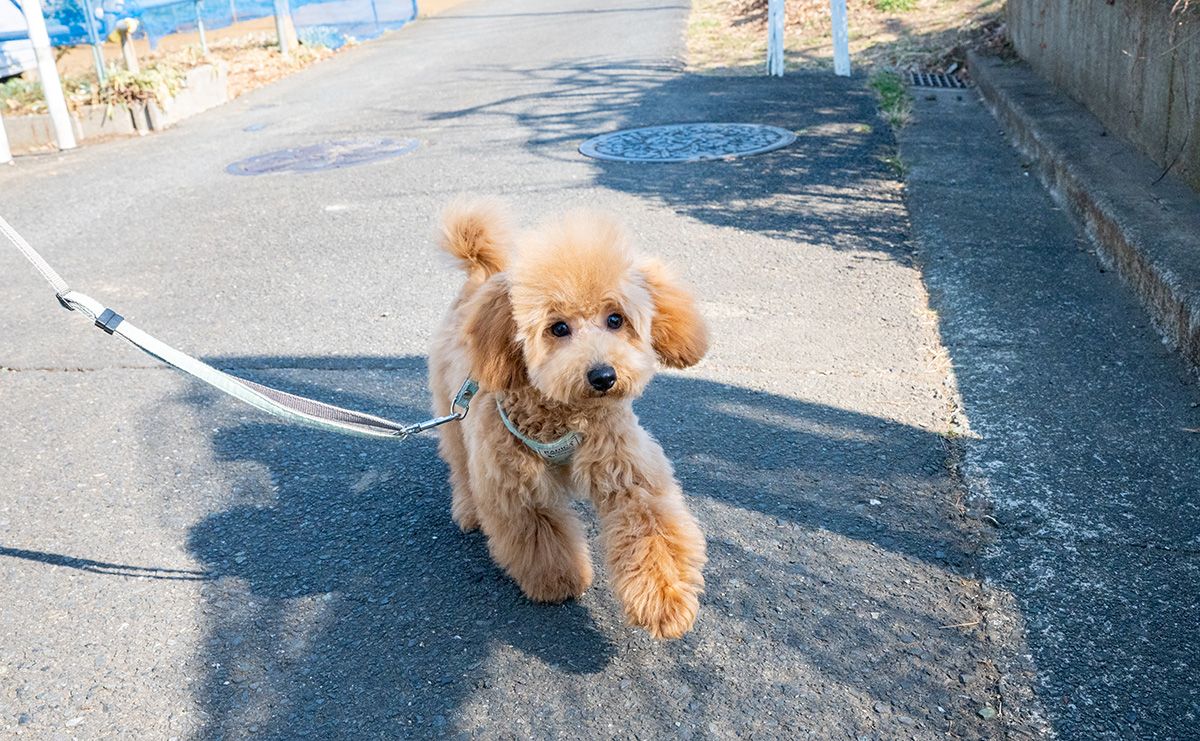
point(1134, 63)
point(204, 88)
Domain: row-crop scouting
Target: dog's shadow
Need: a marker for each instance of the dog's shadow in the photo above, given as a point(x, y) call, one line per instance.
point(341, 587)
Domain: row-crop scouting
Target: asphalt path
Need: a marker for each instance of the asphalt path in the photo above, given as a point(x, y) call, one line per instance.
point(175, 565)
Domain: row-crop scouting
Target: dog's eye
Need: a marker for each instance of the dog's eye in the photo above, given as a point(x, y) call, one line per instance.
point(560, 329)
point(615, 321)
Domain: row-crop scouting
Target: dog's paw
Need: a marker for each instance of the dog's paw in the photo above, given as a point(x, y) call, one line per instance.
point(665, 610)
point(558, 586)
point(466, 522)
point(556, 574)
point(655, 553)
point(544, 551)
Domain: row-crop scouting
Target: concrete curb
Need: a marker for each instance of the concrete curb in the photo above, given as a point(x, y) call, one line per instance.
point(1146, 226)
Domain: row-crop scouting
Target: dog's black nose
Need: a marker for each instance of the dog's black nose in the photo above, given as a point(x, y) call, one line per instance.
point(602, 377)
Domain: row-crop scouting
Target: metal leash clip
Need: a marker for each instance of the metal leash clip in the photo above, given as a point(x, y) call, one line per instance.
point(461, 400)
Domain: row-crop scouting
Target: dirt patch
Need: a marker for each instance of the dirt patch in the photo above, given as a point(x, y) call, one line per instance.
point(255, 60)
point(730, 36)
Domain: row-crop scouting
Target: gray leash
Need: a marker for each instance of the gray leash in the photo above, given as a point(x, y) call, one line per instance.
point(287, 406)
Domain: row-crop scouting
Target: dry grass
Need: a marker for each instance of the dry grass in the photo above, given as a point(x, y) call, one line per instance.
point(20, 96)
point(254, 60)
point(730, 36)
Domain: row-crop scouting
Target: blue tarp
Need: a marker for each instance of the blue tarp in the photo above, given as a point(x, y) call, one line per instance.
point(326, 22)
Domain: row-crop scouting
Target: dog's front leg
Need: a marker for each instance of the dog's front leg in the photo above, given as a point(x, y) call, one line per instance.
point(653, 545)
point(531, 531)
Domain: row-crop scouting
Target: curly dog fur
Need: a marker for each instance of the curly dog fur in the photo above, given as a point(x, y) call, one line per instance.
point(564, 327)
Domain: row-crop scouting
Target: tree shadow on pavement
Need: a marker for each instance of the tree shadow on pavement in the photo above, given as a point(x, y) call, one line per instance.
point(345, 603)
point(833, 186)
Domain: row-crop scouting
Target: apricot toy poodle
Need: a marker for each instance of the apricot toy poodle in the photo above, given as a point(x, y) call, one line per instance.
point(561, 329)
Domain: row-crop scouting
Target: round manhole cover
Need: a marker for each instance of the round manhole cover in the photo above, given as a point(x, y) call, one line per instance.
point(687, 142)
point(323, 156)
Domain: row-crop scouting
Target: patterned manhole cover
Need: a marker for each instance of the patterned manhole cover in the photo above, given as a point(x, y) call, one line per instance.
point(323, 156)
point(687, 142)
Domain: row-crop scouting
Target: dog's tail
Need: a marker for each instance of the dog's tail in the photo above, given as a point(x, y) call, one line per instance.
point(477, 234)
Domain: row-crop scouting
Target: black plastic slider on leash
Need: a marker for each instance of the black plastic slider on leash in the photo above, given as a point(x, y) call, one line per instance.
point(108, 320)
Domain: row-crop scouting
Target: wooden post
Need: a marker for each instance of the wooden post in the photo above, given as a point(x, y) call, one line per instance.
point(775, 18)
point(128, 53)
point(841, 38)
point(56, 104)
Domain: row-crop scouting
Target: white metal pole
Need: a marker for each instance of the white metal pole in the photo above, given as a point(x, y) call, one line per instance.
point(283, 17)
point(841, 38)
point(56, 104)
point(5, 152)
point(775, 17)
point(200, 25)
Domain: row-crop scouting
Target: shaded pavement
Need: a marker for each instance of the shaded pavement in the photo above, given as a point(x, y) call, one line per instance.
point(1084, 440)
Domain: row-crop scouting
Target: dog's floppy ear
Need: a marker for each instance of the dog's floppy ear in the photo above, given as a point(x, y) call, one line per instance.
point(497, 361)
point(677, 331)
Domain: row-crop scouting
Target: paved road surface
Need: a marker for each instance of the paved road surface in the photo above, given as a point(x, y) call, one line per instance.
point(177, 566)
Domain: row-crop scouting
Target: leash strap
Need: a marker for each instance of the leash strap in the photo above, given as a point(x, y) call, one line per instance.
point(53, 278)
point(292, 408)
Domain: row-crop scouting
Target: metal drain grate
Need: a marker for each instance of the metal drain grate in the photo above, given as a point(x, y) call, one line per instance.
point(923, 79)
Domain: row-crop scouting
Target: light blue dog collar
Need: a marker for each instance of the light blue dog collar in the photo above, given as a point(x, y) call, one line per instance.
point(558, 452)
